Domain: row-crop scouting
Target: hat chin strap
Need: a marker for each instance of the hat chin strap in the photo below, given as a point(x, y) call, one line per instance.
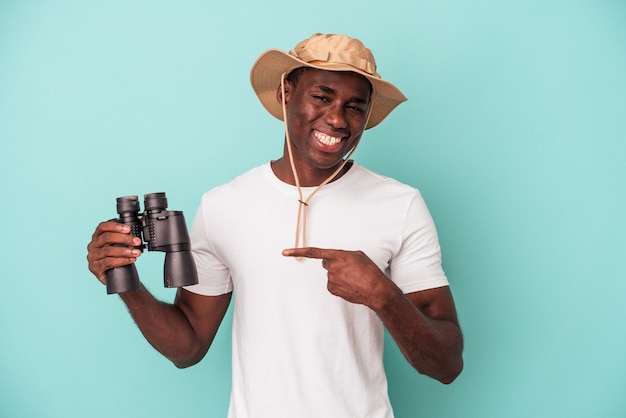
point(304, 203)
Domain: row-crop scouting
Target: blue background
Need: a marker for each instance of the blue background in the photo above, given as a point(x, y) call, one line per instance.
point(515, 132)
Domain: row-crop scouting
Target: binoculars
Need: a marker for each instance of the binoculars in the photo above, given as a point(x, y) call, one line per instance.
point(161, 230)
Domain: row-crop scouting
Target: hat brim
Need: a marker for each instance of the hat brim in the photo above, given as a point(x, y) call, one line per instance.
point(268, 68)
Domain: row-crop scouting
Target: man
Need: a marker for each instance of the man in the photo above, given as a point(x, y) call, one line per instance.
point(308, 320)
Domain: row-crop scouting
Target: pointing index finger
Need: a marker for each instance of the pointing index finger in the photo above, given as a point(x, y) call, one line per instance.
point(310, 252)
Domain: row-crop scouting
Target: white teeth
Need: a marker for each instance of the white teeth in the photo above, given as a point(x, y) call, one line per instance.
point(326, 139)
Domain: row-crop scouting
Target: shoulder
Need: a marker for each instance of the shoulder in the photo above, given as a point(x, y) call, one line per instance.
point(380, 186)
point(222, 200)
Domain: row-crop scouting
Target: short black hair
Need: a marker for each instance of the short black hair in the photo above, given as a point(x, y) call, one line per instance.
point(295, 74)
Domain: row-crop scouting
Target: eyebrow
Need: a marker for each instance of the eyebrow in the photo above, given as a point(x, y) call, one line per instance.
point(331, 90)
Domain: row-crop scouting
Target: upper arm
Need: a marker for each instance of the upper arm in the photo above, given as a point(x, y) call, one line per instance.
point(204, 313)
point(435, 303)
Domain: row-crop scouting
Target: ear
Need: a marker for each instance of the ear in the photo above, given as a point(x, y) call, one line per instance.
point(279, 92)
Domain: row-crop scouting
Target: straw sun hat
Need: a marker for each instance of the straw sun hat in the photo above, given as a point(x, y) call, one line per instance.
point(324, 52)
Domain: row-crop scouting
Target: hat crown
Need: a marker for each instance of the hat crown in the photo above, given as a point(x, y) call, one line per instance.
point(329, 49)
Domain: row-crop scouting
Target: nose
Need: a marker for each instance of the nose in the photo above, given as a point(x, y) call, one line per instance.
point(336, 117)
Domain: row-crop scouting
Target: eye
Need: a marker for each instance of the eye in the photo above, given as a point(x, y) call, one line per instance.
point(321, 98)
point(355, 108)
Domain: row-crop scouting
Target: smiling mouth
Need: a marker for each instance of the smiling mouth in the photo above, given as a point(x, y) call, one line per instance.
point(326, 139)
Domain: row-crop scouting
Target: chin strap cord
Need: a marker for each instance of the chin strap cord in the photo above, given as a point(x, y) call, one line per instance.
point(304, 203)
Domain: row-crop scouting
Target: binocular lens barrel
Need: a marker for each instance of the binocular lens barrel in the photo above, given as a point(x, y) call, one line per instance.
point(125, 278)
point(179, 269)
point(127, 204)
point(122, 279)
point(155, 201)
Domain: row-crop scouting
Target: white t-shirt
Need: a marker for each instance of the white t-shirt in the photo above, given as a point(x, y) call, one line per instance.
point(299, 351)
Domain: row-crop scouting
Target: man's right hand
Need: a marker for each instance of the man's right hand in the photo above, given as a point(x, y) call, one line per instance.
point(110, 248)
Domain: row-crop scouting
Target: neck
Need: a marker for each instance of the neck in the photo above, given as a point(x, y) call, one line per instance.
point(307, 175)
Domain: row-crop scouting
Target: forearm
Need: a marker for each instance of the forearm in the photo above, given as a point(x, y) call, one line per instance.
point(165, 327)
point(432, 345)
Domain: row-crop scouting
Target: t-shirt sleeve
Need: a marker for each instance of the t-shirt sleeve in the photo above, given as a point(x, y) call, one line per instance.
point(417, 265)
point(213, 275)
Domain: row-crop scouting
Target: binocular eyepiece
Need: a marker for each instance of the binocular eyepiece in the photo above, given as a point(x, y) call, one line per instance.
point(161, 230)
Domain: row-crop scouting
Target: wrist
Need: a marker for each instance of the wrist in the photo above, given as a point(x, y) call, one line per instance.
point(386, 295)
point(134, 299)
